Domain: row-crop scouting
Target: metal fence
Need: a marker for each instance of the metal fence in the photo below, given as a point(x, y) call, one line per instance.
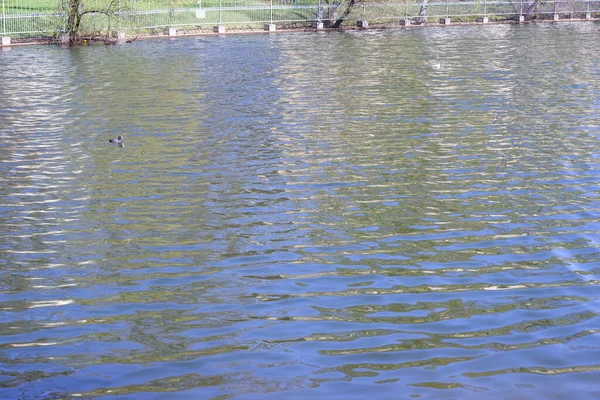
point(30, 18)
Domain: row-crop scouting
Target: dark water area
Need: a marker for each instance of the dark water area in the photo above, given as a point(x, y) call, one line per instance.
point(399, 214)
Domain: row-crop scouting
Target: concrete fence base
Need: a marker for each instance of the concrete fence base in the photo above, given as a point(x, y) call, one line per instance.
point(119, 35)
point(63, 38)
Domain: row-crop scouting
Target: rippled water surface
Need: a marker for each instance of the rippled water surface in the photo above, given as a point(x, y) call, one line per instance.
point(399, 214)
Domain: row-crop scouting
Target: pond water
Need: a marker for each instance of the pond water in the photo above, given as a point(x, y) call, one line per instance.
point(407, 213)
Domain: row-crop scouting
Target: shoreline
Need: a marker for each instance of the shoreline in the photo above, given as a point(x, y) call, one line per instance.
point(24, 42)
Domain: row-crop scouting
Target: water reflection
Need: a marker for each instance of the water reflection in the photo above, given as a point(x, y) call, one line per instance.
point(416, 215)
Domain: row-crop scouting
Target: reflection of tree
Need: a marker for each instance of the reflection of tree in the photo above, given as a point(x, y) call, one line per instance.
point(354, 140)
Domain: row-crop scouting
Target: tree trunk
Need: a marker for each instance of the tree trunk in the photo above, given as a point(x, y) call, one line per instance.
point(423, 12)
point(75, 12)
point(349, 7)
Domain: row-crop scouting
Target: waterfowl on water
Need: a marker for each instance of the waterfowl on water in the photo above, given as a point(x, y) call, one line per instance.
point(118, 140)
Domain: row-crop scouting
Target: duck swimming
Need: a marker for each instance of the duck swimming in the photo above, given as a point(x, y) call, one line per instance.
point(118, 140)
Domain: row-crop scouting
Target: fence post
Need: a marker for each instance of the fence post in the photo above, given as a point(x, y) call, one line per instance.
point(3, 19)
point(220, 28)
point(484, 18)
point(588, 15)
point(318, 23)
point(64, 16)
point(270, 27)
point(446, 21)
point(320, 13)
point(521, 11)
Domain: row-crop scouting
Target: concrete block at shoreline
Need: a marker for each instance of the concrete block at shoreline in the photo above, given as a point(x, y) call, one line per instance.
point(171, 32)
point(405, 22)
point(445, 21)
point(318, 25)
point(5, 41)
point(63, 38)
point(219, 29)
point(119, 35)
point(270, 27)
point(362, 24)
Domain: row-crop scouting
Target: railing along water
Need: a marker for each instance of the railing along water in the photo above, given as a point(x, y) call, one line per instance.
point(30, 18)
